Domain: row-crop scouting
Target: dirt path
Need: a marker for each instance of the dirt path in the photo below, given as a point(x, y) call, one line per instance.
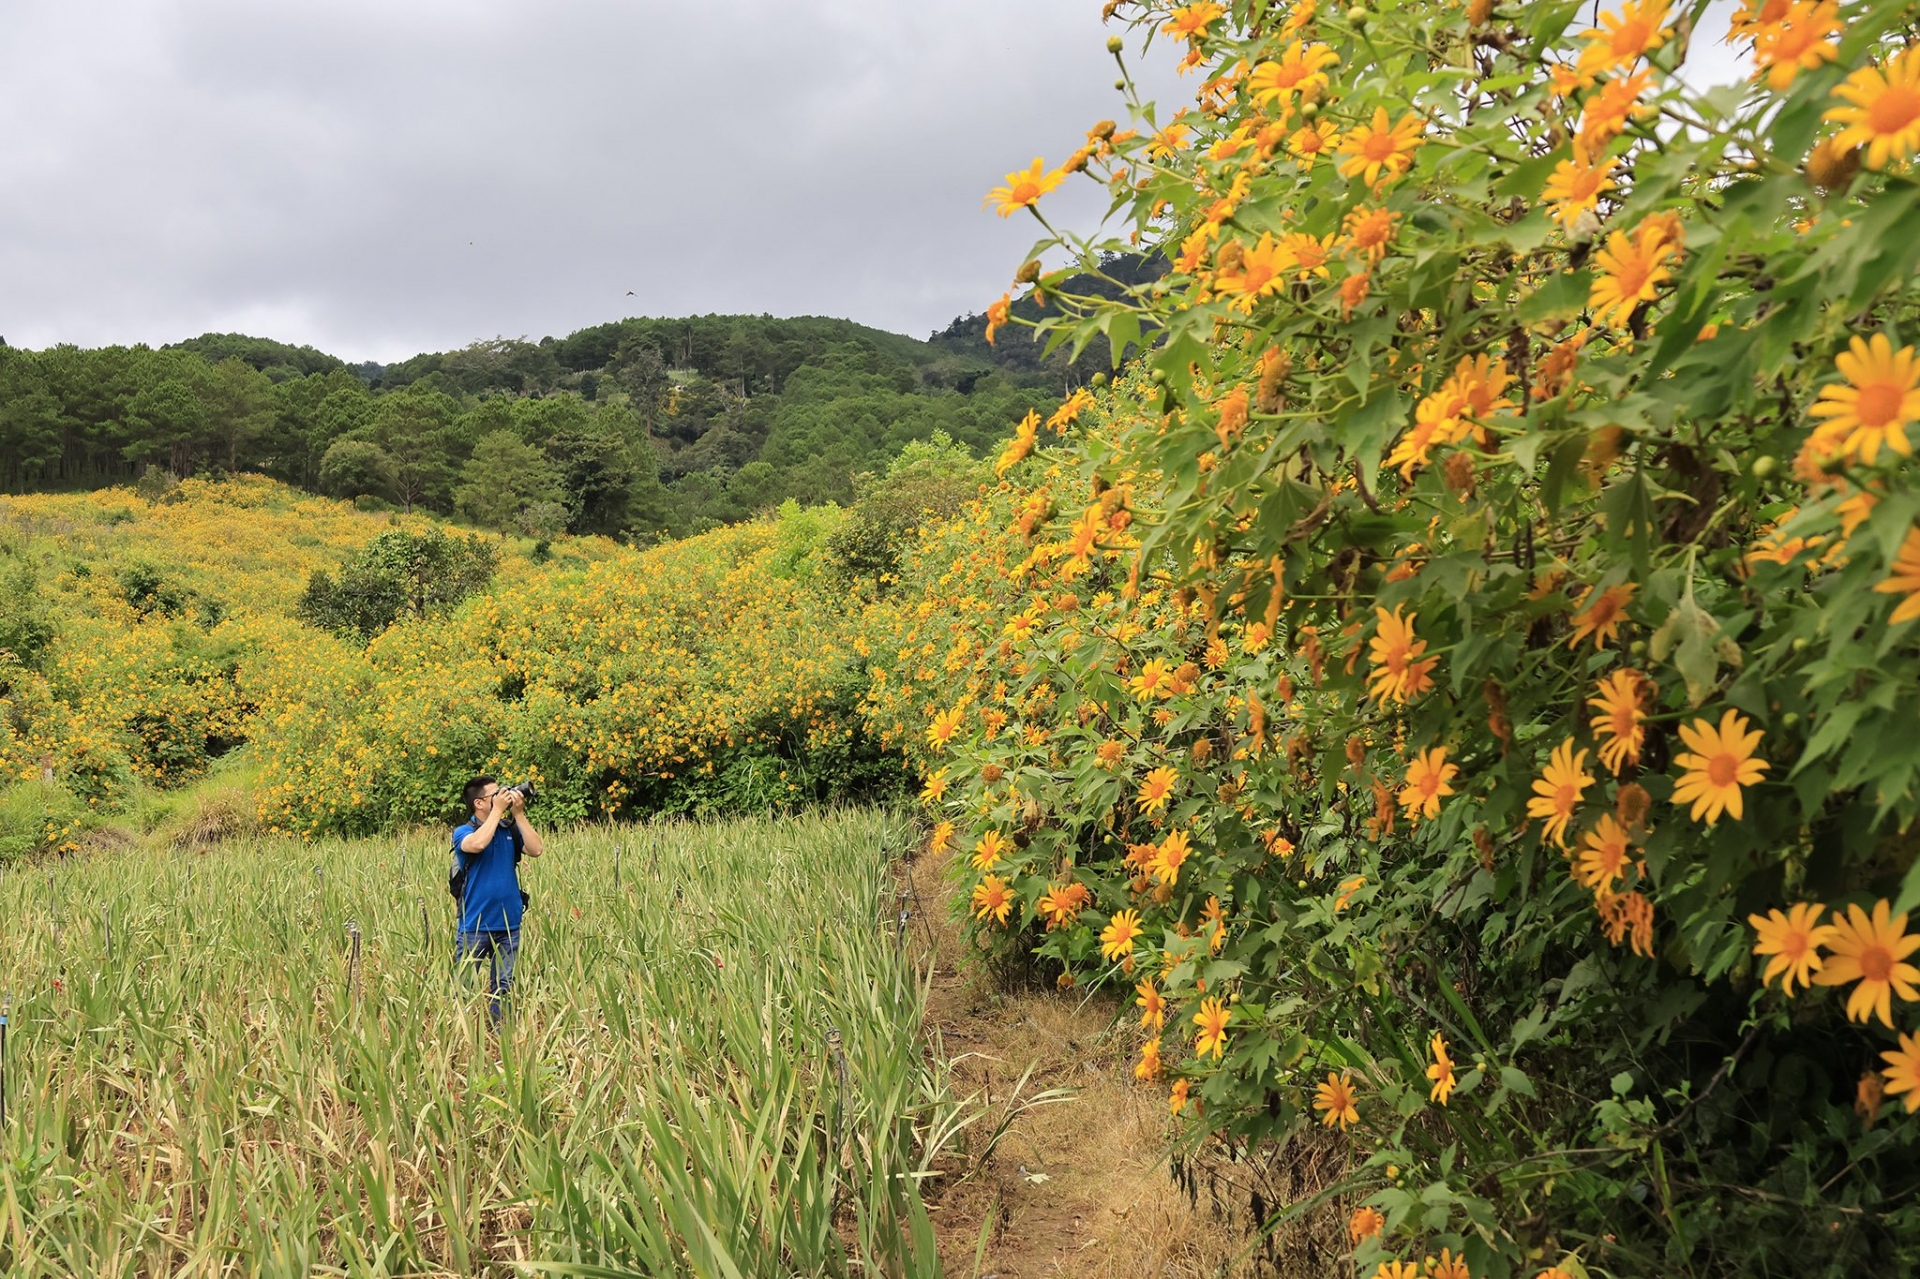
point(1078, 1187)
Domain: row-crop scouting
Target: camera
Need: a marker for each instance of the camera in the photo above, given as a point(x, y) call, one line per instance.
point(525, 790)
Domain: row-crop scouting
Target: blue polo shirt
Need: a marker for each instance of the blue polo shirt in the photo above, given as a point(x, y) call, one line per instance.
point(492, 902)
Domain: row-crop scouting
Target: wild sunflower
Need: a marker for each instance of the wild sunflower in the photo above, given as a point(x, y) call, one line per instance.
point(987, 850)
point(1153, 1005)
point(1718, 762)
point(1557, 792)
point(1212, 1020)
point(1623, 38)
point(1904, 579)
point(1366, 1222)
point(1157, 790)
point(1878, 401)
point(1024, 188)
point(1619, 717)
point(1798, 41)
point(1871, 950)
point(1368, 232)
point(1427, 778)
point(1169, 856)
point(1576, 185)
point(1149, 1067)
point(992, 899)
point(1379, 147)
point(1302, 69)
point(1441, 1071)
point(1311, 141)
point(1794, 941)
point(1604, 855)
point(1903, 1070)
point(1153, 681)
point(1117, 938)
point(1599, 615)
point(945, 724)
point(1447, 1266)
point(1397, 1269)
point(1632, 269)
point(1885, 113)
point(1061, 904)
point(1335, 1101)
point(1258, 272)
point(1177, 1096)
point(1399, 673)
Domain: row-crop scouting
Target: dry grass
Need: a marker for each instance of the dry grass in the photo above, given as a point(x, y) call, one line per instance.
point(1088, 1186)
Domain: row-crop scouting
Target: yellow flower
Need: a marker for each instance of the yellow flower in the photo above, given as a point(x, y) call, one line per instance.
point(1557, 792)
point(1366, 1222)
point(1632, 268)
point(945, 724)
point(1441, 1071)
point(1904, 579)
point(1153, 1005)
point(987, 851)
point(1154, 680)
point(1718, 762)
point(1026, 433)
point(1903, 1070)
point(1347, 889)
point(1876, 404)
point(1600, 616)
point(1447, 1266)
point(1368, 232)
point(1397, 1270)
point(1149, 1067)
point(1427, 778)
point(1212, 1020)
point(1374, 147)
point(1261, 270)
point(1399, 674)
point(1169, 856)
point(941, 837)
point(1603, 856)
point(1300, 70)
point(1871, 950)
point(1885, 115)
point(1797, 42)
point(1794, 940)
point(1190, 21)
point(1024, 187)
point(1335, 1100)
point(936, 786)
point(1177, 1096)
point(1310, 141)
point(1061, 904)
point(1157, 790)
point(1117, 938)
point(992, 898)
point(1577, 185)
point(1619, 717)
point(1623, 38)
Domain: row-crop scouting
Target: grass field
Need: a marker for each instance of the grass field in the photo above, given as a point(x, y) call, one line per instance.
point(713, 1065)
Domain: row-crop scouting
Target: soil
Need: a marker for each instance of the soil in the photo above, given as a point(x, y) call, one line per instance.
point(1087, 1185)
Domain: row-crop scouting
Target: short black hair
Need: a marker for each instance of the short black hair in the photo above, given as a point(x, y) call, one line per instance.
point(471, 791)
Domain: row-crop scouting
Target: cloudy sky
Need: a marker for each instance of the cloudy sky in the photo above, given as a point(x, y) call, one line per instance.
point(383, 178)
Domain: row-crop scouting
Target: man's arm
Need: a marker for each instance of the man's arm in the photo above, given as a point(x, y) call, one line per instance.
point(530, 841)
point(482, 835)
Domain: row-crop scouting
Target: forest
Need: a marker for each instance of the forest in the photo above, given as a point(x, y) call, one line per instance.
point(639, 429)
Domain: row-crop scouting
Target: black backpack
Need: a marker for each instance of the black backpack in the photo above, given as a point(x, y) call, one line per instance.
point(457, 874)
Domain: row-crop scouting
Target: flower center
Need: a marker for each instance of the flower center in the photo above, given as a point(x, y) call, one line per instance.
point(1257, 277)
point(1894, 110)
point(1794, 945)
point(1565, 798)
point(1025, 192)
point(1629, 38)
point(1380, 147)
point(1879, 403)
point(1722, 769)
point(1876, 963)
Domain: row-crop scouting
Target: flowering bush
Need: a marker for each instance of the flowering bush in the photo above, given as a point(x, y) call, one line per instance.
point(1463, 679)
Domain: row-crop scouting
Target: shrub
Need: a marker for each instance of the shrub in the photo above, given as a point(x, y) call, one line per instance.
point(1464, 680)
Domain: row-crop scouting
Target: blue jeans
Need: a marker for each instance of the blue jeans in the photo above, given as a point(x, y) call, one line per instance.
point(500, 948)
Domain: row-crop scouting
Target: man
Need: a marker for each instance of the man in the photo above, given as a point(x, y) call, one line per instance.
point(490, 900)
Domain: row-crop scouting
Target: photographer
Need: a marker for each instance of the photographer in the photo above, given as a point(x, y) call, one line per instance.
point(486, 880)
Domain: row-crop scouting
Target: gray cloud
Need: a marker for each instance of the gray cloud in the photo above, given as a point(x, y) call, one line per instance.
point(383, 178)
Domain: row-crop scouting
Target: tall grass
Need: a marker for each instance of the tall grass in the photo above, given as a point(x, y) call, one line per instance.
point(712, 1067)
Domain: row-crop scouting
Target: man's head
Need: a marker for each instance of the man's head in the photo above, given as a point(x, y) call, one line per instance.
point(478, 795)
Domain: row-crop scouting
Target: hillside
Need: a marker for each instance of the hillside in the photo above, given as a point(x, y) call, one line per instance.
point(636, 429)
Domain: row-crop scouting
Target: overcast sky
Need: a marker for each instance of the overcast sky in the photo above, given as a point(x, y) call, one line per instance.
point(379, 179)
point(383, 178)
